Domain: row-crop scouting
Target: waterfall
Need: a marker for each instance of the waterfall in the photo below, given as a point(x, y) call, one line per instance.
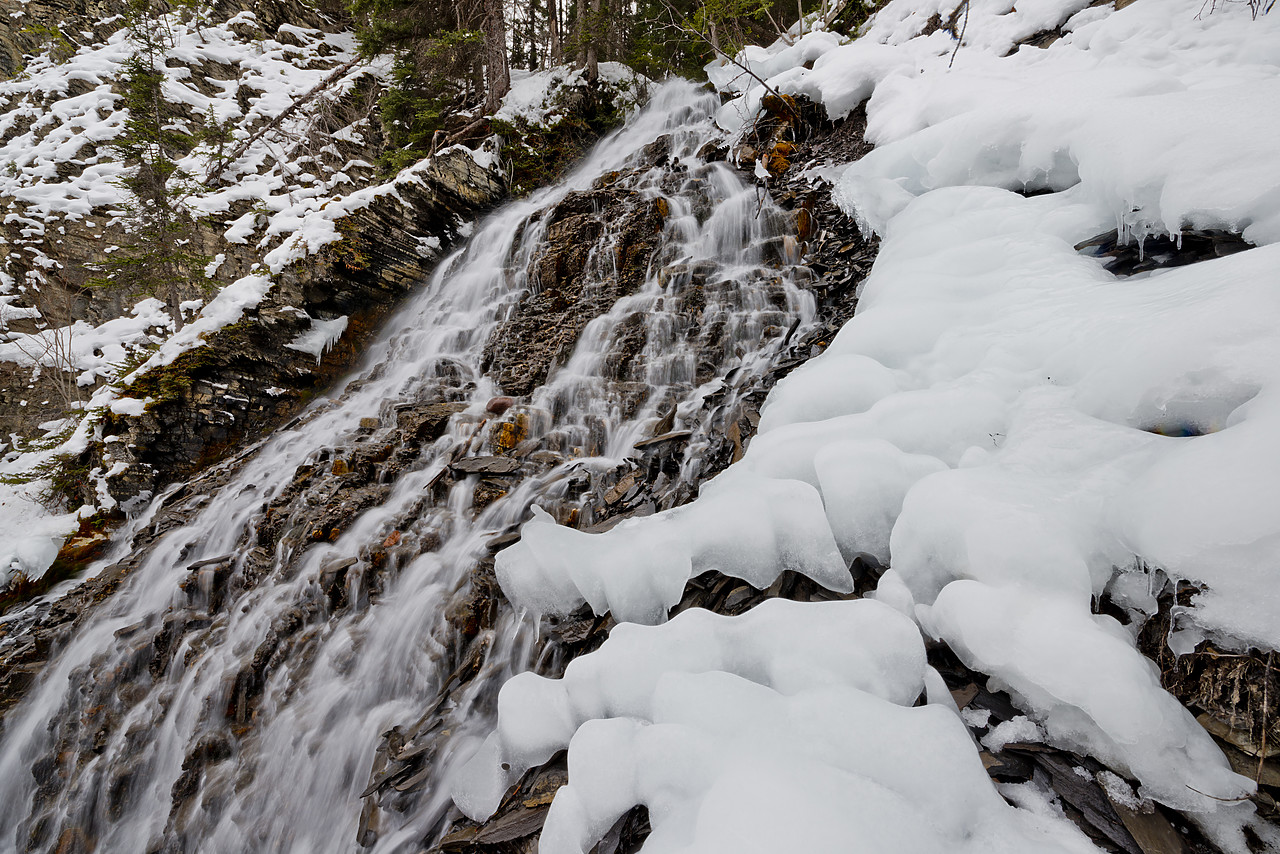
point(237, 689)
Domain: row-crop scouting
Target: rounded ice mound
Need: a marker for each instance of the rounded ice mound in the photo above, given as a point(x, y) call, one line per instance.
point(790, 719)
point(827, 387)
point(1090, 688)
point(863, 486)
point(744, 526)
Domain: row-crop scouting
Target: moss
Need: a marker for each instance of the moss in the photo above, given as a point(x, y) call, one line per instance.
point(540, 155)
point(352, 250)
point(173, 381)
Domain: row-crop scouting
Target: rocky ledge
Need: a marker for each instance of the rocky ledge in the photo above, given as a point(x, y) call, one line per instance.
point(245, 380)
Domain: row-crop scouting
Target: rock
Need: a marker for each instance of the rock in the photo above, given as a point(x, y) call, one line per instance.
point(1240, 738)
point(507, 435)
point(470, 610)
point(211, 398)
point(487, 491)
point(673, 436)
point(370, 423)
point(1126, 257)
point(545, 325)
point(1150, 829)
point(500, 542)
point(499, 405)
point(621, 488)
point(485, 465)
point(80, 549)
point(426, 422)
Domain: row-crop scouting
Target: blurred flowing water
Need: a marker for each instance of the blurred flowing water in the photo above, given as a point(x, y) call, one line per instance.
point(137, 735)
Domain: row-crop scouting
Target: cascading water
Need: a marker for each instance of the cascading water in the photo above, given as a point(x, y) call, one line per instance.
point(250, 678)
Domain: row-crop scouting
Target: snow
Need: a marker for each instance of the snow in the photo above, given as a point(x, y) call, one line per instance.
point(1006, 426)
point(226, 308)
point(319, 337)
point(1019, 728)
point(130, 405)
point(92, 352)
point(534, 95)
point(32, 536)
point(313, 224)
point(638, 570)
point(736, 732)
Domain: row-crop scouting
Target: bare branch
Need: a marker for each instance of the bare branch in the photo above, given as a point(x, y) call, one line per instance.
point(215, 171)
point(673, 24)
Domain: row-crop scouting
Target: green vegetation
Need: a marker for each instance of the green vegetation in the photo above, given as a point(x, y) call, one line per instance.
point(539, 155)
point(53, 39)
point(451, 60)
point(160, 256)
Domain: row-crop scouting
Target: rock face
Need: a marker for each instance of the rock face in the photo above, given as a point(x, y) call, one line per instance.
point(546, 324)
point(245, 380)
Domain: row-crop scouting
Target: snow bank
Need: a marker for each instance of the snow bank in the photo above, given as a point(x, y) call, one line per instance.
point(783, 729)
point(1105, 105)
point(1009, 428)
point(638, 570)
point(31, 536)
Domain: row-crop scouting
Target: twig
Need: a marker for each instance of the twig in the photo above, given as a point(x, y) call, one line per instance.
point(960, 38)
point(1262, 751)
point(1215, 797)
point(690, 31)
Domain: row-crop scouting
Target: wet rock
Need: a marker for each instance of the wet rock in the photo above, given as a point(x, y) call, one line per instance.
point(500, 542)
point(485, 465)
point(546, 323)
point(426, 422)
point(487, 491)
point(673, 436)
point(499, 405)
point(1127, 256)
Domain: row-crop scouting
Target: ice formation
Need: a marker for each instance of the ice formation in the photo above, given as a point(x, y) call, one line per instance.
point(1007, 426)
point(753, 533)
point(739, 735)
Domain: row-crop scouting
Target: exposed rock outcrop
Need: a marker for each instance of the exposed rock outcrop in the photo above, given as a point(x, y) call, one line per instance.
point(548, 320)
point(245, 379)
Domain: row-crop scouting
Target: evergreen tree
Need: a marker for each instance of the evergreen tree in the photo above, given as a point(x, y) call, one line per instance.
point(159, 256)
point(450, 58)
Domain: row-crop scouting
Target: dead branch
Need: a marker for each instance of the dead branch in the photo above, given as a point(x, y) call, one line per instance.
point(673, 24)
point(216, 170)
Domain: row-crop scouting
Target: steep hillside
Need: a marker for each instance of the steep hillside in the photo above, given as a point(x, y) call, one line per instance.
point(283, 238)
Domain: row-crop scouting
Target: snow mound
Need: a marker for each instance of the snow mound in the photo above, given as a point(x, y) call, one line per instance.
point(781, 729)
point(1009, 428)
point(536, 96)
point(1105, 105)
point(753, 530)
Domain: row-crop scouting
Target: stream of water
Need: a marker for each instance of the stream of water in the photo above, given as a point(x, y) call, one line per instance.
point(118, 748)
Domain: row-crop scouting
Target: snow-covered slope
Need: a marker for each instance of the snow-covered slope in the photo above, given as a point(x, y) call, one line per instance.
point(296, 109)
point(1010, 428)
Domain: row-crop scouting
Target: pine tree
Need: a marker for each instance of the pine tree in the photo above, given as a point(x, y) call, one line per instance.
point(159, 255)
point(450, 58)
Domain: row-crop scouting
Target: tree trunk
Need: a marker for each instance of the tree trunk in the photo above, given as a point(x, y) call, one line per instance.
point(498, 75)
point(580, 32)
point(555, 48)
point(617, 32)
point(175, 301)
point(594, 36)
